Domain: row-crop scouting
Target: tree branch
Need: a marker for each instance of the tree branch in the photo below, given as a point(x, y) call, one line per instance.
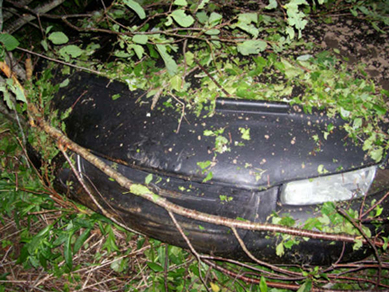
point(39, 10)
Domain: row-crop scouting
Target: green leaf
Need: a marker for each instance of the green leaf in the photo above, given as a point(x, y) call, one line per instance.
point(214, 19)
point(70, 50)
point(136, 7)
point(58, 38)
point(138, 189)
point(68, 255)
point(64, 83)
point(169, 21)
point(19, 94)
point(290, 70)
point(249, 28)
point(155, 267)
point(321, 169)
point(7, 97)
point(214, 287)
point(10, 43)
point(202, 17)
point(208, 177)
point(344, 113)
point(182, 19)
point(180, 3)
point(204, 164)
point(170, 64)
point(379, 110)
point(202, 4)
point(148, 178)
point(208, 133)
point(117, 265)
point(263, 285)
point(221, 144)
point(189, 57)
point(378, 211)
point(176, 82)
point(251, 47)
point(306, 287)
point(45, 45)
point(272, 5)
point(115, 96)
point(304, 57)
point(48, 29)
point(280, 249)
point(140, 39)
point(245, 133)
point(139, 50)
point(212, 32)
point(377, 154)
point(80, 240)
point(358, 244)
point(248, 18)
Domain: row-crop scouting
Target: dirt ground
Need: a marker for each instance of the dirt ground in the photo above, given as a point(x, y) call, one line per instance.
point(357, 42)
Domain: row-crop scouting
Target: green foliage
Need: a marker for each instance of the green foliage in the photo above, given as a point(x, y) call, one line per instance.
point(136, 7)
point(58, 38)
point(10, 42)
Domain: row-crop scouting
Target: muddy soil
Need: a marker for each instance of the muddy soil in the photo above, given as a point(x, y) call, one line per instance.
point(355, 41)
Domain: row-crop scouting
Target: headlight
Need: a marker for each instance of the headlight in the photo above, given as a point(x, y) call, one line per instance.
point(337, 187)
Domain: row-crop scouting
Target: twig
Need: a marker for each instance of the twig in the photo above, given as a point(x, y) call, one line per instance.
point(251, 280)
point(60, 62)
point(166, 267)
point(375, 205)
point(377, 256)
point(192, 249)
point(251, 256)
point(213, 79)
point(182, 111)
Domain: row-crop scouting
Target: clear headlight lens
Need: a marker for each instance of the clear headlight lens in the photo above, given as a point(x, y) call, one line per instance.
point(337, 187)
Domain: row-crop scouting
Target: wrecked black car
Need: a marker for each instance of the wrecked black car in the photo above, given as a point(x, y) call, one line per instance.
point(247, 160)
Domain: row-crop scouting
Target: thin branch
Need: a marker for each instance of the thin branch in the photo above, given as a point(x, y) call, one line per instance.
point(251, 256)
point(213, 79)
point(182, 111)
point(375, 205)
point(377, 256)
point(192, 249)
point(60, 62)
point(251, 280)
point(39, 10)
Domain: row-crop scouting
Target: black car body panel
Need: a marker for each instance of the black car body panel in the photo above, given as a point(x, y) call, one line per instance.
point(119, 126)
point(281, 145)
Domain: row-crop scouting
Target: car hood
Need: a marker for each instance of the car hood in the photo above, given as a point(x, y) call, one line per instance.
point(249, 144)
